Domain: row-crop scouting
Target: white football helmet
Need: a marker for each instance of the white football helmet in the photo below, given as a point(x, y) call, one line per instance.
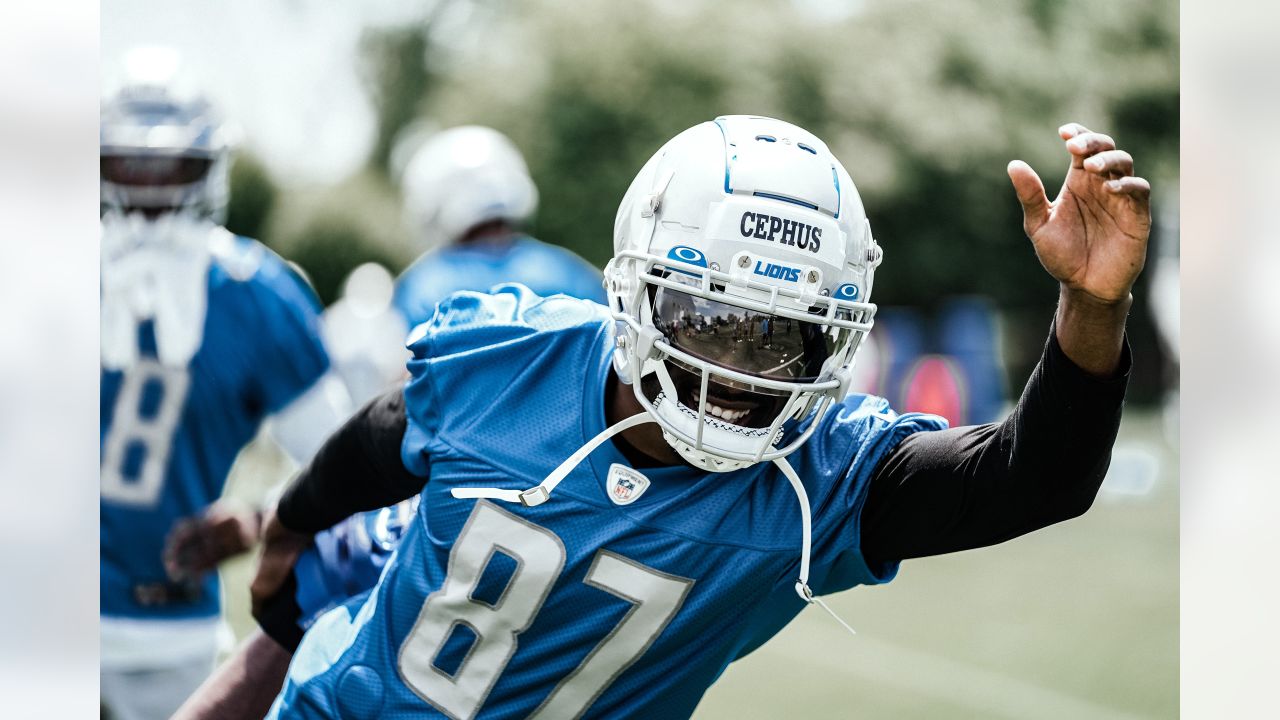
point(742, 269)
point(463, 177)
point(741, 272)
point(162, 146)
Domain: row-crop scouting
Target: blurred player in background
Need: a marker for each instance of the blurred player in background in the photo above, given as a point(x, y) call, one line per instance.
point(204, 336)
point(467, 194)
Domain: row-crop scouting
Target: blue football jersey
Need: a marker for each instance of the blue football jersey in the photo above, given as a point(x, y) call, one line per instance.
point(347, 559)
point(594, 604)
point(170, 434)
point(544, 268)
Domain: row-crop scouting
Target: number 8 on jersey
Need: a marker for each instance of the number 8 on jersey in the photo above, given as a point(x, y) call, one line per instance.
point(540, 556)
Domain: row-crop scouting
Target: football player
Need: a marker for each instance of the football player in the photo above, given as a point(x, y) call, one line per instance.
point(616, 505)
point(467, 192)
point(204, 336)
point(467, 195)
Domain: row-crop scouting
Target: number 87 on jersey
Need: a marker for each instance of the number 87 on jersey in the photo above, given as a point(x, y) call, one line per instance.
point(457, 611)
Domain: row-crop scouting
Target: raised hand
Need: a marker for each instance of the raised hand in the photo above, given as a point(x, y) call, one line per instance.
point(1093, 237)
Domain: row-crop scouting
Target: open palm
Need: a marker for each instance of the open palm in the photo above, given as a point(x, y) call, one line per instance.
point(1093, 236)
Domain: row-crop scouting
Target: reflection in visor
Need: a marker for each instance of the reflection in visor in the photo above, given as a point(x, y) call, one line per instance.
point(756, 343)
point(155, 170)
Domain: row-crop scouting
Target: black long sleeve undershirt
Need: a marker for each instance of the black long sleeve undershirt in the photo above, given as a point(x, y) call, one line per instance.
point(968, 487)
point(357, 469)
point(937, 492)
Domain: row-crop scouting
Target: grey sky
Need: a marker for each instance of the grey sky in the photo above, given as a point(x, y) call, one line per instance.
point(284, 70)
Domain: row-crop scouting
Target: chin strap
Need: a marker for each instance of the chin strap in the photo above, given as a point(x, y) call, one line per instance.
point(806, 527)
point(539, 493)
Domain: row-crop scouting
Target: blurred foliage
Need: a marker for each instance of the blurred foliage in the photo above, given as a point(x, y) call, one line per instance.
point(924, 102)
point(574, 172)
point(253, 196)
point(395, 71)
point(329, 248)
point(329, 231)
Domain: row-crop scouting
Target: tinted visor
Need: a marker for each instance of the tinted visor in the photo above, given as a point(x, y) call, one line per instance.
point(755, 343)
point(153, 170)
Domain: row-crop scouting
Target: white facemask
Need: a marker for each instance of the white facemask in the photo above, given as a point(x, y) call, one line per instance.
point(154, 269)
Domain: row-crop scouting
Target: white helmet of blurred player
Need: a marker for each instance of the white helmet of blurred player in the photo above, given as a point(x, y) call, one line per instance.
point(162, 146)
point(743, 264)
point(464, 177)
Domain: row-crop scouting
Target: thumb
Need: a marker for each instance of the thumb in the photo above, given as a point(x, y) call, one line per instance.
point(1030, 190)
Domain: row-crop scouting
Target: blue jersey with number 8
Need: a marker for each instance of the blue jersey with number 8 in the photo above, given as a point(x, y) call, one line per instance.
point(587, 605)
point(170, 434)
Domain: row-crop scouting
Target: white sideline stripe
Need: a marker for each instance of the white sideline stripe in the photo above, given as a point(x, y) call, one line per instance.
point(989, 693)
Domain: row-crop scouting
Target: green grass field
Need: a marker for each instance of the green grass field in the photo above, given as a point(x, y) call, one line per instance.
point(1076, 621)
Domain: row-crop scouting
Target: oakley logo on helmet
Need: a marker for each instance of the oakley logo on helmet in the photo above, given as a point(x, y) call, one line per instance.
point(781, 272)
point(786, 232)
point(687, 254)
point(848, 291)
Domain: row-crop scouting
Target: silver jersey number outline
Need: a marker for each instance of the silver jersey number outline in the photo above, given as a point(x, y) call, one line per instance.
point(155, 433)
point(655, 597)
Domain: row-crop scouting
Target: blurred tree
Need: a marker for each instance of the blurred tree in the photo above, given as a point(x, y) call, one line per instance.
point(594, 144)
point(253, 197)
point(925, 103)
point(1045, 13)
point(802, 89)
point(1148, 122)
point(396, 73)
point(330, 247)
point(329, 231)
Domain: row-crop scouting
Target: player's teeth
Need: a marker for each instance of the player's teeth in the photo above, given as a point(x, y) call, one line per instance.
point(724, 414)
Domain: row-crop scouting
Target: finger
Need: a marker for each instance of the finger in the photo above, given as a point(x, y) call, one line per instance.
point(1070, 130)
point(171, 566)
point(1030, 191)
point(175, 547)
point(194, 558)
point(174, 542)
point(1088, 144)
point(229, 541)
point(1135, 187)
point(1111, 163)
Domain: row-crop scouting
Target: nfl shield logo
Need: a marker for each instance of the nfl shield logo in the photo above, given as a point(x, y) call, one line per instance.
point(625, 484)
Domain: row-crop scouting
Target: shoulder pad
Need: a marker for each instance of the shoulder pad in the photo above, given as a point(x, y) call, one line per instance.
point(240, 257)
point(469, 320)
